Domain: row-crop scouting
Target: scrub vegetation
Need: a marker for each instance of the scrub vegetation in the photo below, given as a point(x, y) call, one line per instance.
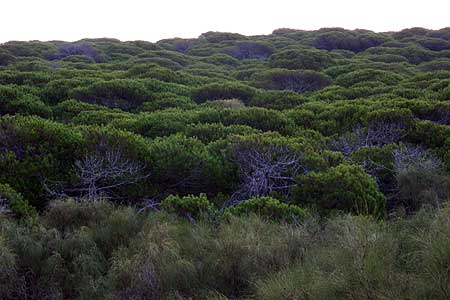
point(294, 165)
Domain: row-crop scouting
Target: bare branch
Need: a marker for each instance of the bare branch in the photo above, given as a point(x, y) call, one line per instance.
point(376, 134)
point(150, 204)
point(4, 209)
point(349, 143)
point(384, 133)
point(415, 157)
point(266, 169)
point(99, 175)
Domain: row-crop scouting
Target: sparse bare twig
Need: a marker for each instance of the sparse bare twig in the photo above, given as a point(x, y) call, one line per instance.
point(415, 157)
point(266, 169)
point(376, 134)
point(150, 204)
point(3, 205)
point(99, 175)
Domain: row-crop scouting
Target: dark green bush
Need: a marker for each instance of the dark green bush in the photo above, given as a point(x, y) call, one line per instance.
point(340, 39)
point(14, 202)
point(217, 91)
point(345, 188)
point(279, 100)
point(269, 208)
point(160, 101)
point(435, 65)
point(8, 272)
point(217, 37)
point(188, 206)
point(308, 59)
point(6, 58)
point(34, 150)
point(68, 215)
point(419, 188)
point(179, 164)
point(58, 90)
point(259, 118)
point(383, 77)
point(120, 93)
point(26, 105)
point(66, 110)
point(297, 81)
point(212, 132)
point(251, 50)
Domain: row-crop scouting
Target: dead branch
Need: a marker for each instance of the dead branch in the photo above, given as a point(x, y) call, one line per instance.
point(4, 209)
point(415, 157)
point(99, 175)
point(266, 169)
point(376, 134)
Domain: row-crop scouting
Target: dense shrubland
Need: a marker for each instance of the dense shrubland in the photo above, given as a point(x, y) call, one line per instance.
point(227, 167)
point(93, 250)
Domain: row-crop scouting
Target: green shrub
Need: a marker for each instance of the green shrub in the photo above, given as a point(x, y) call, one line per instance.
point(117, 230)
point(66, 110)
point(59, 89)
point(337, 38)
point(212, 132)
point(297, 81)
point(307, 59)
point(35, 149)
point(435, 65)
point(421, 187)
point(269, 208)
point(181, 164)
point(26, 105)
point(15, 202)
point(8, 272)
point(6, 58)
point(119, 93)
point(188, 206)
point(217, 37)
point(218, 91)
point(259, 118)
point(68, 215)
point(225, 103)
point(280, 100)
point(161, 101)
point(353, 78)
point(345, 187)
point(250, 50)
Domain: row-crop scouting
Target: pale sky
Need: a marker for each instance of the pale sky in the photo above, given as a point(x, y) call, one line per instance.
point(153, 20)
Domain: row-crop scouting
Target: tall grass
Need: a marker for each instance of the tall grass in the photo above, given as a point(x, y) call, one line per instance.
point(98, 251)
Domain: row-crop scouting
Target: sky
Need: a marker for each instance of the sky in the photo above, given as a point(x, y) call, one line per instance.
point(152, 20)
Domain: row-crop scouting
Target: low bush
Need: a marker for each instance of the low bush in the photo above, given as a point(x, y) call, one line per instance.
point(345, 187)
point(69, 215)
point(8, 274)
point(218, 91)
point(12, 201)
point(188, 206)
point(297, 81)
point(269, 208)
